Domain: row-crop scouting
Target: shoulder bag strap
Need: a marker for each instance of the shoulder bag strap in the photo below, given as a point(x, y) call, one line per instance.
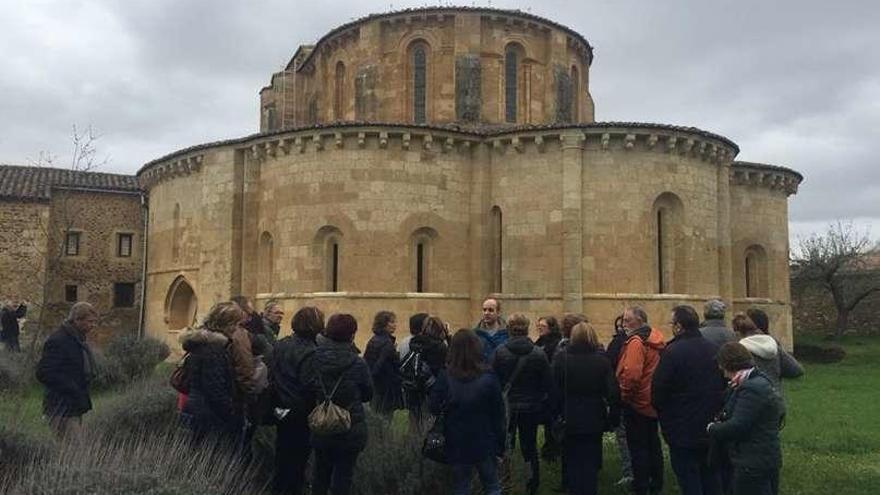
point(520, 364)
point(338, 381)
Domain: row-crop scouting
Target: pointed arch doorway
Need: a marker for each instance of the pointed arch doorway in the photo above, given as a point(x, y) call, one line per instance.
point(181, 304)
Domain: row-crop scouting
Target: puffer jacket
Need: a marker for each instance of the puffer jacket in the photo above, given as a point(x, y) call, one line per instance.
point(771, 359)
point(334, 359)
point(491, 339)
point(753, 413)
point(548, 344)
point(66, 367)
point(432, 350)
point(210, 404)
point(285, 374)
point(242, 358)
point(529, 391)
point(381, 356)
point(635, 370)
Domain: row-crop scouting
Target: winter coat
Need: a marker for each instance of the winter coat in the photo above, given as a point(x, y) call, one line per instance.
point(615, 347)
point(381, 356)
point(271, 331)
point(585, 391)
point(771, 359)
point(474, 426)
point(687, 390)
point(9, 317)
point(286, 374)
point(752, 413)
point(548, 344)
point(529, 392)
point(65, 368)
point(638, 360)
point(210, 404)
point(331, 360)
point(432, 350)
point(490, 341)
point(715, 331)
point(242, 363)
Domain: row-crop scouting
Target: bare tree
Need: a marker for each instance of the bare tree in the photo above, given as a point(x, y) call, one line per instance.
point(49, 245)
point(838, 262)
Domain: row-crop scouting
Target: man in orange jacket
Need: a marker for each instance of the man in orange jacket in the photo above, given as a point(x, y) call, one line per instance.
point(638, 360)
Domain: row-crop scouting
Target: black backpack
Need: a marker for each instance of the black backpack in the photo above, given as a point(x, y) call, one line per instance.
point(416, 375)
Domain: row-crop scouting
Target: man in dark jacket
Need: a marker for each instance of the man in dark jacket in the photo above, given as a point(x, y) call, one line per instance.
point(336, 361)
point(686, 391)
point(525, 379)
point(9, 329)
point(66, 367)
point(272, 316)
point(491, 328)
point(294, 400)
point(714, 329)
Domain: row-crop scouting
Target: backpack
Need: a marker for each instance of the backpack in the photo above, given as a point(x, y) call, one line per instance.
point(328, 418)
point(416, 375)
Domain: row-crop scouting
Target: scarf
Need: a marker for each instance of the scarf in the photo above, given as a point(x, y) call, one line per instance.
point(740, 376)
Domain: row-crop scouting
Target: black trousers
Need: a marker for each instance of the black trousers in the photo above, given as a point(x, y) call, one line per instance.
point(645, 452)
point(525, 426)
point(292, 450)
point(692, 470)
point(334, 471)
point(582, 455)
point(755, 481)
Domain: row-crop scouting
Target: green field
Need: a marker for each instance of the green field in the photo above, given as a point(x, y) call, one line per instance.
point(831, 440)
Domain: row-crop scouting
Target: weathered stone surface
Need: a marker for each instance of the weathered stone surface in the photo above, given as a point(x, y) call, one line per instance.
point(365, 101)
point(467, 88)
point(563, 100)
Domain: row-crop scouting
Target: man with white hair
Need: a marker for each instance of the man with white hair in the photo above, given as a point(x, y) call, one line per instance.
point(66, 367)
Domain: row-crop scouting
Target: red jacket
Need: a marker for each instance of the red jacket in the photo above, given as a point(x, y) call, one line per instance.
point(638, 360)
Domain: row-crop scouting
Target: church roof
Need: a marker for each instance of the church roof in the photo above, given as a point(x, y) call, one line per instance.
point(19, 182)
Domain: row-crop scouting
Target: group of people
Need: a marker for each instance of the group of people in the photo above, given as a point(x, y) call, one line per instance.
point(714, 392)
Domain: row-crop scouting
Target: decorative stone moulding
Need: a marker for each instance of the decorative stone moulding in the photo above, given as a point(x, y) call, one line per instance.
point(179, 167)
point(773, 178)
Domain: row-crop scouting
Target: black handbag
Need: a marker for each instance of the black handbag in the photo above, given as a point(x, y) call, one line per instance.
point(434, 446)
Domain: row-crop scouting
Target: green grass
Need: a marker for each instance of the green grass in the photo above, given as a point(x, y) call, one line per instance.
point(831, 441)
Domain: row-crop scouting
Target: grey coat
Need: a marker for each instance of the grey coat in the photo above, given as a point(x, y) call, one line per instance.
point(715, 331)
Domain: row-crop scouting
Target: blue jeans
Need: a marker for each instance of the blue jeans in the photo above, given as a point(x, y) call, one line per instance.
point(487, 469)
point(692, 470)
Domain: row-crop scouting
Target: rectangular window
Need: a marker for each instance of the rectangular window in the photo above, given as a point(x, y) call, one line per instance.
point(123, 245)
point(71, 244)
point(123, 295)
point(70, 293)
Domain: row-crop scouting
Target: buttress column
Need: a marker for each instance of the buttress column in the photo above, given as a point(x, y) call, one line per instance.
point(572, 221)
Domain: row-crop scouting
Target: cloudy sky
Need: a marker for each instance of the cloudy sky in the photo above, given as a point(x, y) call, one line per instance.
point(793, 82)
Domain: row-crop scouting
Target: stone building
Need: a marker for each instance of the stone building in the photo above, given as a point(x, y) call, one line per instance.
point(72, 236)
point(420, 160)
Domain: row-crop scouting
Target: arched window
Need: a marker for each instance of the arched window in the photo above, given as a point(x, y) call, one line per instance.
point(419, 91)
point(496, 231)
point(422, 252)
point(180, 305)
point(575, 94)
point(511, 89)
point(328, 242)
point(339, 92)
point(266, 263)
point(175, 234)
point(667, 214)
point(755, 271)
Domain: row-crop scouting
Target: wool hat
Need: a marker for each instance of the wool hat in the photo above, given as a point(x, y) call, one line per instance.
point(341, 327)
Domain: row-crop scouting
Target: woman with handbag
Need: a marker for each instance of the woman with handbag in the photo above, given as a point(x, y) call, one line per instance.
point(468, 396)
point(585, 391)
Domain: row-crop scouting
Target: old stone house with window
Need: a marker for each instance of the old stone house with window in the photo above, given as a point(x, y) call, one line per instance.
point(419, 160)
point(71, 236)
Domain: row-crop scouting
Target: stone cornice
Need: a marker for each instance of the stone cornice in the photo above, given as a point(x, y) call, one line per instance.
point(773, 177)
point(178, 167)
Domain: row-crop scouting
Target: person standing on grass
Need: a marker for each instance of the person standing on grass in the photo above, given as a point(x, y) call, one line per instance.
point(65, 369)
point(789, 367)
point(549, 336)
point(469, 395)
point(585, 391)
point(615, 346)
point(491, 329)
point(381, 356)
point(749, 423)
point(210, 410)
point(638, 360)
point(336, 362)
point(294, 400)
point(9, 328)
point(415, 327)
point(686, 391)
point(421, 366)
point(713, 328)
point(525, 378)
point(766, 352)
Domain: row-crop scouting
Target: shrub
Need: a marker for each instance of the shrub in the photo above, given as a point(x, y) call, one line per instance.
point(137, 357)
point(108, 372)
point(16, 371)
point(812, 353)
point(17, 449)
point(145, 405)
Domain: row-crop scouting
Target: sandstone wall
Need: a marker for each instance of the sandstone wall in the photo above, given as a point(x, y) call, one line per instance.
point(23, 261)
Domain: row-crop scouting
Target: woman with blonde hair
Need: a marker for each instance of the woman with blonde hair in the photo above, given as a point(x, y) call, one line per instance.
point(585, 392)
point(210, 408)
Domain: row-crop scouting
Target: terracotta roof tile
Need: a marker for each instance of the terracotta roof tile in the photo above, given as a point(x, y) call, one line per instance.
point(35, 183)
